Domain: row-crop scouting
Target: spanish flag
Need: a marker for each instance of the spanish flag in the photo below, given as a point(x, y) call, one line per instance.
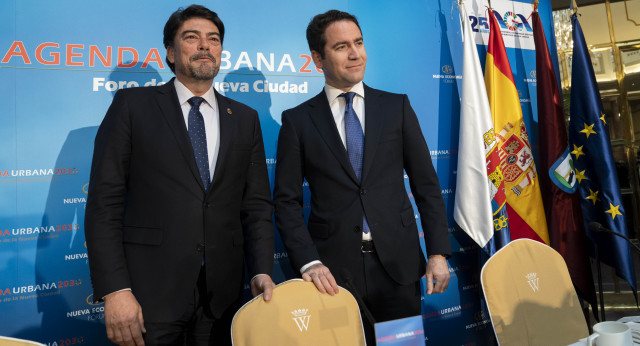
point(524, 202)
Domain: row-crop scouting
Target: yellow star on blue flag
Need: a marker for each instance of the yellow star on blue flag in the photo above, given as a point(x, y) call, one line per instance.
point(580, 176)
point(593, 196)
point(588, 130)
point(577, 151)
point(613, 210)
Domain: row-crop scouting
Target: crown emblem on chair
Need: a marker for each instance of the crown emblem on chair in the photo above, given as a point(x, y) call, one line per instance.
point(301, 318)
point(534, 281)
point(299, 312)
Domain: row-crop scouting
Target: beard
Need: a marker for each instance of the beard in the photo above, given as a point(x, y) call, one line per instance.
point(203, 71)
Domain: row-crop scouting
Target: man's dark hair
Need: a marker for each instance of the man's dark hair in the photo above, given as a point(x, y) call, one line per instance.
point(182, 15)
point(318, 25)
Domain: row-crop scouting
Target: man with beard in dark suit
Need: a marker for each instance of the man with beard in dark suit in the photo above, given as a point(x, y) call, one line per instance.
point(179, 199)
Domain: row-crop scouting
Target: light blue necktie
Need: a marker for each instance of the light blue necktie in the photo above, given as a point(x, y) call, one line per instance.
point(199, 140)
point(355, 142)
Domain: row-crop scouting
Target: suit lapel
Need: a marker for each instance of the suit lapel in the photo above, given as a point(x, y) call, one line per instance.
point(167, 100)
point(374, 120)
point(324, 122)
point(225, 116)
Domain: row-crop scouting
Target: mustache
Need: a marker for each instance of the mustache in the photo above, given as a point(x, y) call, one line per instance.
point(202, 54)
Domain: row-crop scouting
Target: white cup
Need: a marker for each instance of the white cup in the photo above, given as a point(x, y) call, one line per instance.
point(610, 334)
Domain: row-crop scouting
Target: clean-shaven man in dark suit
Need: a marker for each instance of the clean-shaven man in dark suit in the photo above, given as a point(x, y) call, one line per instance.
point(352, 143)
point(178, 199)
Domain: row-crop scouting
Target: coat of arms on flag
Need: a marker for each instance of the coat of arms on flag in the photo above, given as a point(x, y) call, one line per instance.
point(516, 158)
point(562, 173)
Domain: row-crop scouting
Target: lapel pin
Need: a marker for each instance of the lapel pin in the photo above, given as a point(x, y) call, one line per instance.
point(229, 111)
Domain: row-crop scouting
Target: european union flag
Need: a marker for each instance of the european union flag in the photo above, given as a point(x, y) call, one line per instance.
point(595, 170)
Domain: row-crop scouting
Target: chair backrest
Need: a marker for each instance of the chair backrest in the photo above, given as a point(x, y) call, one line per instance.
point(530, 296)
point(298, 314)
point(7, 341)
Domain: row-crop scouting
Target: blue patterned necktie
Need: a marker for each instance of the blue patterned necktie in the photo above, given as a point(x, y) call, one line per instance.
point(199, 140)
point(355, 141)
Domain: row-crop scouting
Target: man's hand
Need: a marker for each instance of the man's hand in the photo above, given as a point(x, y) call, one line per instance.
point(322, 278)
point(438, 270)
point(123, 318)
point(262, 283)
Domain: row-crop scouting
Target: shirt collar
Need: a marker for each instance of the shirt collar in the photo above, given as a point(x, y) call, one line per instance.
point(333, 93)
point(184, 94)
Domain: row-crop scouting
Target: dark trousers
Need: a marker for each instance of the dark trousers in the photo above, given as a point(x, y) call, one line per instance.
point(385, 298)
point(196, 326)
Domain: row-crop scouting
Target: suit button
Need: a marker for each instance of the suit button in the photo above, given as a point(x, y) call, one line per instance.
point(200, 248)
point(363, 191)
point(357, 229)
point(207, 205)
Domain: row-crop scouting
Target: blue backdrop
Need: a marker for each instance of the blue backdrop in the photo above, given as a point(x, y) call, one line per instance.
point(61, 63)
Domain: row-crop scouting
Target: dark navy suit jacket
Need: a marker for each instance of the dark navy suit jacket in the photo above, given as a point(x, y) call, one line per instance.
point(148, 219)
point(309, 147)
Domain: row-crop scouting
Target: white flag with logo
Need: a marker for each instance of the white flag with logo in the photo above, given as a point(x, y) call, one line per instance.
point(472, 210)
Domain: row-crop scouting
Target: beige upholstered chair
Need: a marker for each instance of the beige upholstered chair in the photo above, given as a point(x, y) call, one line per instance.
point(530, 296)
point(7, 341)
point(298, 314)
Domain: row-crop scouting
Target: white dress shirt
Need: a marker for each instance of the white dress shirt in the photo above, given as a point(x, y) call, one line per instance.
point(210, 113)
point(338, 104)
